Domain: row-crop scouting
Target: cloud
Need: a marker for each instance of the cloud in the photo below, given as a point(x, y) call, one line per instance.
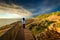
point(13, 11)
point(45, 6)
point(35, 6)
point(45, 9)
point(41, 10)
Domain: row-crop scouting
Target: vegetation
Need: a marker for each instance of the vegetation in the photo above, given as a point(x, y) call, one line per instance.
point(43, 16)
point(38, 27)
point(58, 25)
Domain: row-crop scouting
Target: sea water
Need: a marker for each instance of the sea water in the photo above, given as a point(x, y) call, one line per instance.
point(4, 22)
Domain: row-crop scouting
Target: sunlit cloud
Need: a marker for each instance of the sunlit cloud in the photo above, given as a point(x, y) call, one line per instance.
point(13, 11)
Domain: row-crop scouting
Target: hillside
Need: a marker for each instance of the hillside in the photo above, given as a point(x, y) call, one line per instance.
point(43, 27)
point(15, 31)
point(48, 25)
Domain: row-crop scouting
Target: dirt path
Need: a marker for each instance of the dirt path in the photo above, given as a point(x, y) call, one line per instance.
point(17, 33)
point(24, 34)
point(28, 35)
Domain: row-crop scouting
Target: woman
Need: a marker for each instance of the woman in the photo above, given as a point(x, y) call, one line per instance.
point(23, 22)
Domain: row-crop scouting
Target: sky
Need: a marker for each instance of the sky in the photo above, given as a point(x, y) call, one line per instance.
point(36, 7)
point(39, 6)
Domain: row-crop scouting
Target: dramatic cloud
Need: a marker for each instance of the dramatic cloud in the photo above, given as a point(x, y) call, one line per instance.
point(36, 6)
point(13, 11)
point(43, 6)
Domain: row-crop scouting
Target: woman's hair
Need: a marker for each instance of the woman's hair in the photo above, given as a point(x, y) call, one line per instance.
point(23, 18)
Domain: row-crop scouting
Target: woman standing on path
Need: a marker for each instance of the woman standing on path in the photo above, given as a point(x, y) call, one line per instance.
point(23, 22)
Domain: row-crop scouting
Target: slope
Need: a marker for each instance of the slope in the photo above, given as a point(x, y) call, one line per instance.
point(15, 31)
point(47, 23)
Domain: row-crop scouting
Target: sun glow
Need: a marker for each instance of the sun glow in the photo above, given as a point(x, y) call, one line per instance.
point(6, 15)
